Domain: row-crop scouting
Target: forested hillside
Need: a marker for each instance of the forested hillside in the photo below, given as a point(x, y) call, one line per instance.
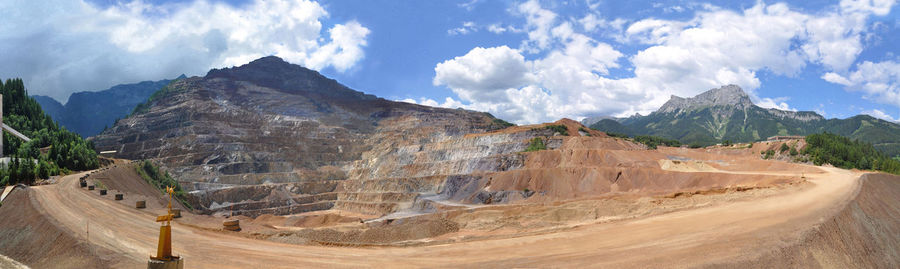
point(52, 149)
point(848, 154)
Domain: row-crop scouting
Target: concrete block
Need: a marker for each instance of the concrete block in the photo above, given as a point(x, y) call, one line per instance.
point(176, 263)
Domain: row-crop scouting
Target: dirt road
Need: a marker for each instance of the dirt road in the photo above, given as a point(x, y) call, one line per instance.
point(709, 235)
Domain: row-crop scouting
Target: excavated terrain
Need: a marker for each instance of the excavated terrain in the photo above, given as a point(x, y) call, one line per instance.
point(832, 218)
point(270, 137)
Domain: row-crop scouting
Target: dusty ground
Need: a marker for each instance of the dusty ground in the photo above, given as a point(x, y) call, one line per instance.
point(6, 262)
point(29, 236)
point(716, 233)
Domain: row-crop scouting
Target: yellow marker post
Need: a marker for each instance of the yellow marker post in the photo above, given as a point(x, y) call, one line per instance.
point(164, 258)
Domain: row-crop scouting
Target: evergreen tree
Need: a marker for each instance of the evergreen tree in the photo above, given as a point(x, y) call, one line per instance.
point(66, 149)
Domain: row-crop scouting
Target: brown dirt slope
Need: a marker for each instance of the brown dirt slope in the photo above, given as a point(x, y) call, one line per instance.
point(29, 236)
point(123, 178)
point(865, 234)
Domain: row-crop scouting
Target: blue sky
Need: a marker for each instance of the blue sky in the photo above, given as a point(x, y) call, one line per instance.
point(524, 61)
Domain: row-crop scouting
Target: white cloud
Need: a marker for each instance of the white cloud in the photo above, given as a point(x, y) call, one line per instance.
point(821, 110)
point(77, 46)
point(469, 5)
point(538, 24)
point(571, 69)
point(835, 78)
point(879, 82)
point(672, 9)
point(880, 114)
point(590, 22)
point(448, 102)
point(777, 103)
point(877, 7)
point(484, 74)
point(653, 31)
point(467, 27)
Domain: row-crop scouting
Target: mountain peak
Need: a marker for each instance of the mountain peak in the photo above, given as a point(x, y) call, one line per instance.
point(728, 95)
point(274, 72)
point(265, 69)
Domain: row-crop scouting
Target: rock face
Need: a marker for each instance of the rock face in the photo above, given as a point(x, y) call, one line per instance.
point(272, 137)
point(728, 95)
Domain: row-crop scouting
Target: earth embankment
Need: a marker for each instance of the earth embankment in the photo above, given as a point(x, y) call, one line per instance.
point(864, 234)
point(30, 236)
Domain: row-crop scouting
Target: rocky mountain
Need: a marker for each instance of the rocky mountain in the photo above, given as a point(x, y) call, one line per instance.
point(88, 113)
point(273, 137)
point(730, 96)
point(727, 113)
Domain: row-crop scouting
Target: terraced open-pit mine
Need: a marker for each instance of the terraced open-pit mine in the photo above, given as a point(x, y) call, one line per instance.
point(321, 176)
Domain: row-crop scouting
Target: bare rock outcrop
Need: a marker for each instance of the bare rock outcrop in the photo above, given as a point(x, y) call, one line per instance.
point(271, 122)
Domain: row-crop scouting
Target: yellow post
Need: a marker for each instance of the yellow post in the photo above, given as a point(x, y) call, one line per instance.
point(164, 249)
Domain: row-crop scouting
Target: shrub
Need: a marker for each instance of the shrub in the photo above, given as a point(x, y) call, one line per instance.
point(784, 147)
point(100, 185)
point(536, 144)
point(768, 154)
point(653, 141)
point(561, 129)
point(159, 179)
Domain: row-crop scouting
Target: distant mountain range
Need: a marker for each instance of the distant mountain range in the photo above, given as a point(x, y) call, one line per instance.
point(88, 113)
point(727, 113)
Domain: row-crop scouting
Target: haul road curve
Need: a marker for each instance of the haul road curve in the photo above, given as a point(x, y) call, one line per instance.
point(710, 235)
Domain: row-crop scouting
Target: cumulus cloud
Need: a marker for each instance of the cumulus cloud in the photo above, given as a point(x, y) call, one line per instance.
point(75, 46)
point(484, 73)
point(571, 69)
point(879, 82)
point(539, 21)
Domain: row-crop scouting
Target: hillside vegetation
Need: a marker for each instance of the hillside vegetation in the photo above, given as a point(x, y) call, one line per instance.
point(827, 148)
point(52, 149)
point(652, 142)
point(160, 179)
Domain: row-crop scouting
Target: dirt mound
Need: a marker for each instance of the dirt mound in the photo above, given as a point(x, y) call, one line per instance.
point(29, 237)
point(865, 234)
